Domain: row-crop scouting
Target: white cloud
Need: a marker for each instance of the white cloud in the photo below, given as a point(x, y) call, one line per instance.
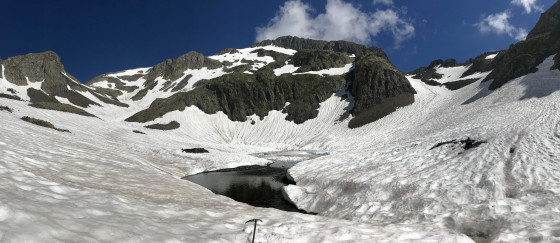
point(386, 2)
point(529, 5)
point(499, 24)
point(341, 21)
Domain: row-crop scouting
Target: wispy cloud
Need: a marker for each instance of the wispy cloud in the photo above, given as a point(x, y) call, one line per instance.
point(340, 21)
point(499, 24)
point(386, 2)
point(529, 5)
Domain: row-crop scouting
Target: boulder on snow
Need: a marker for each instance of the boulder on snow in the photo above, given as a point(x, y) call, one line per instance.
point(169, 126)
point(5, 108)
point(195, 150)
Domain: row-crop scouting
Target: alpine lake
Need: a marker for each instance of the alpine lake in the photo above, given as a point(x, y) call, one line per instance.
point(259, 186)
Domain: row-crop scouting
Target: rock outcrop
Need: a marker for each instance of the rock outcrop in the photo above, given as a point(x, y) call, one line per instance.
point(240, 95)
point(47, 68)
point(315, 60)
point(298, 44)
point(378, 89)
point(377, 86)
point(523, 57)
point(34, 67)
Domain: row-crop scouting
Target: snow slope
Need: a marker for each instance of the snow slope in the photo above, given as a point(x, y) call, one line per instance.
point(381, 182)
point(105, 183)
point(506, 188)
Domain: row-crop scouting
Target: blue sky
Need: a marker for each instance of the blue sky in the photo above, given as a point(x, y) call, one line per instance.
point(96, 37)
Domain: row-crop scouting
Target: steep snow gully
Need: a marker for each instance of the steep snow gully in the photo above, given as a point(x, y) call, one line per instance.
point(379, 183)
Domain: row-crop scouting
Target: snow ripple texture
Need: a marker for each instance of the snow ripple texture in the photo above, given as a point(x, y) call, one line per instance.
point(380, 183)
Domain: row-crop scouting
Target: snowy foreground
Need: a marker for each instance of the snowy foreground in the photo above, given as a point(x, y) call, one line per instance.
point(379, 183)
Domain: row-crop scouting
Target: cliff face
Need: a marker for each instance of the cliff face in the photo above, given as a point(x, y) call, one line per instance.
point(376, 85)
point(239, 95)
point(36, 67)
point(299, 44)
point(548, 22)
point(524, 57)
point(242, 88)
point(378, 89)
point(46, 68)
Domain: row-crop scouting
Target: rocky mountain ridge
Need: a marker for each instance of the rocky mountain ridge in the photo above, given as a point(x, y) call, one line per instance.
point(222, 82)
point(290, 74)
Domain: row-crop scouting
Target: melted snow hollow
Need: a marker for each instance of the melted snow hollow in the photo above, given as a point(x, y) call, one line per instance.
point(379, 183)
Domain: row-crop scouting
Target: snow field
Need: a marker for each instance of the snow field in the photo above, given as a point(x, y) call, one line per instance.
point(510, 195)
point(102, 182)
point(105, 183)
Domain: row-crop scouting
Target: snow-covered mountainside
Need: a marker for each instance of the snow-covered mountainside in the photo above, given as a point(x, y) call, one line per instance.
point(433, 156)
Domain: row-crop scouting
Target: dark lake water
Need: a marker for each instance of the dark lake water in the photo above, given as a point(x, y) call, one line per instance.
point(259, 186)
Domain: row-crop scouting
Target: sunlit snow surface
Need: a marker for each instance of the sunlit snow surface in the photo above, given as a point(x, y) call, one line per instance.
point(379, 183)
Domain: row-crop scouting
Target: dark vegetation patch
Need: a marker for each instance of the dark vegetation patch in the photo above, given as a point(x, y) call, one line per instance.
point(136, 131)
point(12, 91)
point(455, 85)
point(42, 123)
point(169, 126)
point(5, 108)
point(9, 96)
point(316, 60)
point(195, 150)
point(466, 143)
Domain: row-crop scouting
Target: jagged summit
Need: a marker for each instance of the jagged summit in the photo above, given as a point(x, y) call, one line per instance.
point(548, 22)
point(523, 57)
point(34, 67)
point(297, 43)
point(289, 74)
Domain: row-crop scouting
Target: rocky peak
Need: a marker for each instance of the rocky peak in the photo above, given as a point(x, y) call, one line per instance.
point(298, 44)
point(442, 63)
point(172, 69)
point(35, 66)
point(523, 57)
point(228, 51)
point(379, 88)
point(548, 22)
